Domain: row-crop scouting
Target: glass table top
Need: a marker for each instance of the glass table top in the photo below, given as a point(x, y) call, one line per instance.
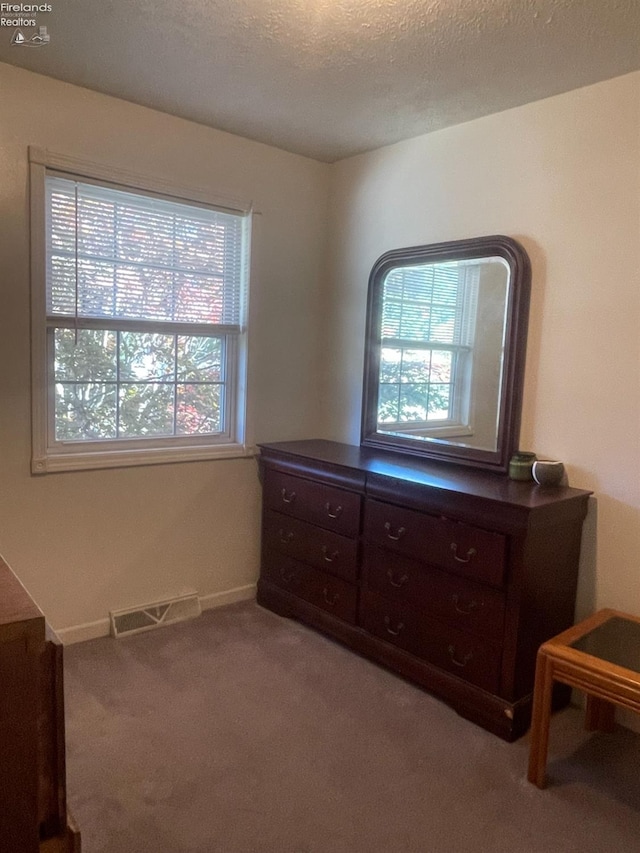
point(617, 641)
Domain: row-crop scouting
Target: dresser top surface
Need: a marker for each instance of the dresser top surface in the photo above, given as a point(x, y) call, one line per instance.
point(412, 470)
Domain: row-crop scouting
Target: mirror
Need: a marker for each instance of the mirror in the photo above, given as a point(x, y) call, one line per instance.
point(445, 350)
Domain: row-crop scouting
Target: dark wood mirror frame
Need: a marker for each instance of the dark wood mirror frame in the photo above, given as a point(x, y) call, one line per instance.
point(515, 337)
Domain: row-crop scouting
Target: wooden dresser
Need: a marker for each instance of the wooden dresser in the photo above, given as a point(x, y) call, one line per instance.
point(33, 809)
point(450, 576)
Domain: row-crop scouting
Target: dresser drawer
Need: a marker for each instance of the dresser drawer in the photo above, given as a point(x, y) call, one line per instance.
point(461, 548)
point(446, 647)
point(327, 506)
point(323, 549)
point(318, 588)
point(474, 607)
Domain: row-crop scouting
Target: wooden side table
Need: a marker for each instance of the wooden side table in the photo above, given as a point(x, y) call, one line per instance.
point(601, 657)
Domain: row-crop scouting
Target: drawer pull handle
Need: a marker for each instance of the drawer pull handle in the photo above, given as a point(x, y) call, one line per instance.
point(470, 553)
point(395, 632)
point(473, 605)
point(288, 497)
point(335, 513)
point(286, 576)
point(285, 538)
point(397, 582)
point(397, 535)
point(329, 558)
point(465, 660)
point(331, 601)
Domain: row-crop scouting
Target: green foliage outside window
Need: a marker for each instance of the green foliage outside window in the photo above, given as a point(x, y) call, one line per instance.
point(136, 384)
point(415, 385)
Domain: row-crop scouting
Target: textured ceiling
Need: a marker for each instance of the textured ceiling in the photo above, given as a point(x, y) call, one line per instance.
point(331, 78)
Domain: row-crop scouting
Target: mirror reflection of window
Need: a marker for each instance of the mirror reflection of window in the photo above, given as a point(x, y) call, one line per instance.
point(429, 318)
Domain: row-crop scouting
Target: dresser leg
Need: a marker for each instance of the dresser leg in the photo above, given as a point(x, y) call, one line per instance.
point(68, 842)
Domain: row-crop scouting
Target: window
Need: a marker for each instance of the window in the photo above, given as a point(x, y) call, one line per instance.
point(141, 325)
point(428, 315)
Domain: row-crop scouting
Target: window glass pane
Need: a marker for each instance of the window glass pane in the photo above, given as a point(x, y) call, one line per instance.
point(89, 357)
point(85, 411)
point(439, 399)
point(146, 410)
point(416, 365)
point(441, 366)
point(147, 357)
point(388, 402)
point(199, 358)
point(199, 409)
point(413, 403)
point(390, 360)
point(142, 380)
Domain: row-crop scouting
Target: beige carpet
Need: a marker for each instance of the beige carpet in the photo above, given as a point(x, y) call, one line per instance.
point(241, 732)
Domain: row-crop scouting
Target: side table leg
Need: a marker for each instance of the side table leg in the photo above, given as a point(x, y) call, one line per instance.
point(540, 720)
point(600, 715)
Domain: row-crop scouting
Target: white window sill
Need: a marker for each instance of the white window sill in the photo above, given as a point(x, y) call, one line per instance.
point(425, 431)
point(79, 460)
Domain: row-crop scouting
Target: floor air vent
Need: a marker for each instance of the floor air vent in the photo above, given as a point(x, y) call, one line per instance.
point(136, 619)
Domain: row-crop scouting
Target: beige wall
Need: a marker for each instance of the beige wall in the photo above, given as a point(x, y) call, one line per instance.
point(488, 353)
point(562, 176)
point(84, 543)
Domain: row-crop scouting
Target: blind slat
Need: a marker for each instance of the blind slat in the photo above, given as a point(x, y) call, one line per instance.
point(140, 257)
point(423, 304)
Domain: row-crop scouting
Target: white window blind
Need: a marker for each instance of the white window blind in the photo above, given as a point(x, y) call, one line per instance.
point(425, 305)
point(115, 255)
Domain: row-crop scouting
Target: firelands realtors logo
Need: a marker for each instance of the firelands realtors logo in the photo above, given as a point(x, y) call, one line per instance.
point(21, 17)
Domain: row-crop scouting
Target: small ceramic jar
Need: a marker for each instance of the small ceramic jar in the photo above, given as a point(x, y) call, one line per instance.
point(547, 472)
point(520, 465)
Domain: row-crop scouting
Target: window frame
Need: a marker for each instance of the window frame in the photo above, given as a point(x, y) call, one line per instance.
point(49, 454)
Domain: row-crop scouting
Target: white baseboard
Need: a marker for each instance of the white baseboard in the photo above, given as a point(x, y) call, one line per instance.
point(102, 627)
point(86, 631)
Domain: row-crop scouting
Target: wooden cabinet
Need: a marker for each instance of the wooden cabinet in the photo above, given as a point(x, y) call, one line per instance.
point(450, 576)
point(438, 541)
point(326, 507)
point(33, 810)
point(310, 542)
